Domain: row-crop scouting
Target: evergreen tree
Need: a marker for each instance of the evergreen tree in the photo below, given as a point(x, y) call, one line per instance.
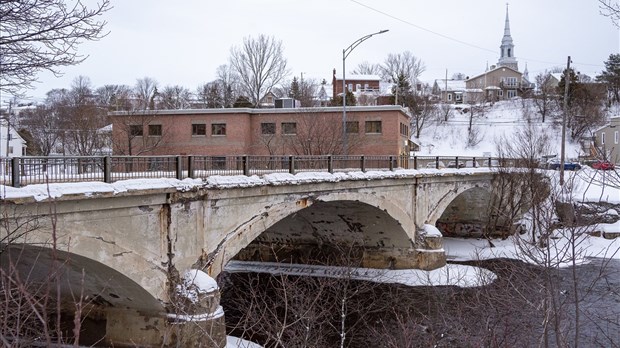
point(573, 86)
point(243, 102)
point(351, 101)
point(295, 91)
point(611, 76)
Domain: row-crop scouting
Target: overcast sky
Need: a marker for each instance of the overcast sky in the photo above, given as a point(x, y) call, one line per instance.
point(183, 42)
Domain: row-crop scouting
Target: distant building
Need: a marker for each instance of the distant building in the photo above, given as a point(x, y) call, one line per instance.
point(501, 81)
point(371, 130)
point(16, 144)
point(607, 141)
point(366, 88)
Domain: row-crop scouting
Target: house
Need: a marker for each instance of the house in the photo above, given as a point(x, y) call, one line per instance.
point(371, 130)
point(366, 88)
point(16, 144)
point(268, 101)
point(451, 91)
point(607, 141)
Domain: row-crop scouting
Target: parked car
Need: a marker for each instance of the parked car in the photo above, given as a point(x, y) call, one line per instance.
point(603, 165)
point(452, 164)
point(554, 164)
point(435, 164)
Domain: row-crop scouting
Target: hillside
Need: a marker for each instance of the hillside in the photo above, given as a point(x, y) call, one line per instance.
point(501, 120)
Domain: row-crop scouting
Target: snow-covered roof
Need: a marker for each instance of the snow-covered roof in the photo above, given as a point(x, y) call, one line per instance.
point(490, 71)
point(356, 77)
point(557, 76)
point(452, 85)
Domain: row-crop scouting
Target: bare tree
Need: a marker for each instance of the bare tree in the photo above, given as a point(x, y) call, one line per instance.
point(546, 93)
point(114, 97)
point(423, 113)
point(611, 9)
point(42, 124)
point(318, 134)
point(175, 98)
point(229, 82)
point(145, 92)
point(445, 111)
point(43, 35)
point(365, 68)
point(403, 64)
point(83, 119)
point(260, 65)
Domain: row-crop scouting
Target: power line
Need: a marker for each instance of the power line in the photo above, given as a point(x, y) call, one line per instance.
point(461, 41)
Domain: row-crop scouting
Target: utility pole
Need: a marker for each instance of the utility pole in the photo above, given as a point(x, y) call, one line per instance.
point(8, 127)
point(566, 85)
point(446, 86)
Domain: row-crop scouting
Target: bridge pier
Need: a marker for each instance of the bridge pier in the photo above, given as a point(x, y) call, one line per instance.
point(195, 319)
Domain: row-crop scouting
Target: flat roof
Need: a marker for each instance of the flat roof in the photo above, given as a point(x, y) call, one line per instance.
point(262, 111)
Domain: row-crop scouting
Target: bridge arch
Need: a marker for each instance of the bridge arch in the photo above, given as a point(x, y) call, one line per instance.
point(483, 191)
point(393, 218)
point(101, 284)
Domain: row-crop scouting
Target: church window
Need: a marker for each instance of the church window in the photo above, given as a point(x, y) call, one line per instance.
point(509, 52)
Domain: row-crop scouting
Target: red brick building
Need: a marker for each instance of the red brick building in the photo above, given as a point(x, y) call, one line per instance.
point(371, 130)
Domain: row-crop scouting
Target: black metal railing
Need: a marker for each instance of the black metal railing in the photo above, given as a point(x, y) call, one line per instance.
point(22, 171)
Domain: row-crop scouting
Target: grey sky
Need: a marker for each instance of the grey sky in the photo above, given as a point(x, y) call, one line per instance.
point(183, 42)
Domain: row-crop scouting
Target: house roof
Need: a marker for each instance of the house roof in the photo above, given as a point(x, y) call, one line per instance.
point(451, 85)
point(353, 77)
point(490, 71)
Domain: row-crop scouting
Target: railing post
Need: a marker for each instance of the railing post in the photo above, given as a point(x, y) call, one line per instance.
point(246, 168)
point(363, 163)
point(437, 162)
point(190, 167)
point(391, 163)
point(415, 162)
point(15, 172)
point(474, 160)
point(107, 169)
point(490, 162)
point(458, 166)
point(330, 164)
point(179, 167)
point(291, 164)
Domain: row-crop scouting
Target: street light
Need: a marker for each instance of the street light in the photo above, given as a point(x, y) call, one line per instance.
point(345, 54)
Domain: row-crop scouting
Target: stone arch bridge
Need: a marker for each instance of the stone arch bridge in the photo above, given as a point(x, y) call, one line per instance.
point(135, 244)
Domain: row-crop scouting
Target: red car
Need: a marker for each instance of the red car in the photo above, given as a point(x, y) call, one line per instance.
point(603, 165)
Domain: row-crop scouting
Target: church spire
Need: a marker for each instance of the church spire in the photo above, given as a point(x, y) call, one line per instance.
point(507, 52)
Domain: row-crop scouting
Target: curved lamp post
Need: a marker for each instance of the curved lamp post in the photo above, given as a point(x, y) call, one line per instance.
point(345, 54)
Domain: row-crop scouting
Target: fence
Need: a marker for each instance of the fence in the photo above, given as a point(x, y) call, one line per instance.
point(22, 171)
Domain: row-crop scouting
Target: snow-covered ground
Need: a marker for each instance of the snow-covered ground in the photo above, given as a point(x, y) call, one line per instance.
point(501, 120)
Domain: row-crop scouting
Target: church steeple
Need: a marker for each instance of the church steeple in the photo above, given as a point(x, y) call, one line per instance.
point(507, 51)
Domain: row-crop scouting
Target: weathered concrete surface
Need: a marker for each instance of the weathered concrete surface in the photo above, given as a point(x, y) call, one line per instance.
point(149, 236)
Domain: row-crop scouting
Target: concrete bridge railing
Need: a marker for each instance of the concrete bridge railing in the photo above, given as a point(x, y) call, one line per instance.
point(22, 171)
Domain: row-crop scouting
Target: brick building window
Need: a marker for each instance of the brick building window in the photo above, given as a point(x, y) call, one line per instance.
point(373, 127)
point(353, 127)
point(268, 128)
point(404, 129)
point(136, 130)
point(155, 130)
point(218, 129)
point(199, 129)
point(289, 128)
